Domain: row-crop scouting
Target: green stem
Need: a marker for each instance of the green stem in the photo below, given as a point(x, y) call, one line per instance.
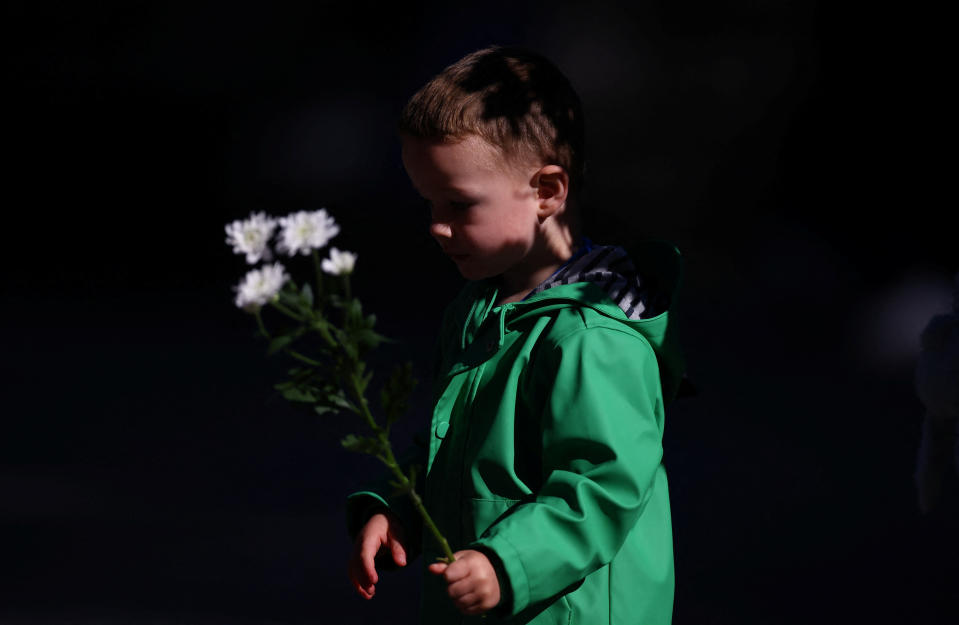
point(318, 298)
point(390, 461)
point(346, 286)
point(259, 322)
point(302, 358)
point(289, 313)
point(324, 332)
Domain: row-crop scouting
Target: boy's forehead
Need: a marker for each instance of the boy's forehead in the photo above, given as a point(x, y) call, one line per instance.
point(470, 150)
point(454, 160)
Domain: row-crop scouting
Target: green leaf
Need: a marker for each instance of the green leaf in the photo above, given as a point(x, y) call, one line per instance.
point(355, 309)
point(338, 334)
point(361, 444)
point(306, 295)
point(367, 339)
point(414, 469)
point(300, 375)
point(322, 410)
point(279, 343)
point(349, 348)
point(394, 396)
point(285, 340)
point(300, 394)
point(292, 299)
point(338, 399)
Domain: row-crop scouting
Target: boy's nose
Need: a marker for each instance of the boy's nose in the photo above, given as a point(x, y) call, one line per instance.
point(440, 229)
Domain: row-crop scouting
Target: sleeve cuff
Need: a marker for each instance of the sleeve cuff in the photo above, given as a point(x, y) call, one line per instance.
point(359, 508)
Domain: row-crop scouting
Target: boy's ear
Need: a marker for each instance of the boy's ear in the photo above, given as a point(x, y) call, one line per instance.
point(552, 187)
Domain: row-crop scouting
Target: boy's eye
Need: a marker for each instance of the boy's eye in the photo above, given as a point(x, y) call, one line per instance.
point(460, 205)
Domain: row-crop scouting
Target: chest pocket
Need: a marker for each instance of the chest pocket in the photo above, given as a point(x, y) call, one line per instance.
point(485, 512)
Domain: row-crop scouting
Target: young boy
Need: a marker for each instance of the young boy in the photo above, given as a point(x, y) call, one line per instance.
point(554, 363)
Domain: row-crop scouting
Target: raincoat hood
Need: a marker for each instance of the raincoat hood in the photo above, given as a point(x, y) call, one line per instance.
point(656, 284)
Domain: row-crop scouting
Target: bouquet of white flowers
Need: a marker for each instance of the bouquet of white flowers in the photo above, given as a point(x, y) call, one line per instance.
point(333, 377)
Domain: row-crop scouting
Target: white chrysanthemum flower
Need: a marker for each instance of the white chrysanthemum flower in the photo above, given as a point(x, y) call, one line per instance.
point(339, 263)
point(260, 286)
point(305, 231)
point(250, 236)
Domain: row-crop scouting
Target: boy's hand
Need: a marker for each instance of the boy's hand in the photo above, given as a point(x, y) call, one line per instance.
point(471, 579)
point(382, 531)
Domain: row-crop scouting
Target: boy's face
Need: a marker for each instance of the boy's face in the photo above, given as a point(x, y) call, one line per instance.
point(484, 212)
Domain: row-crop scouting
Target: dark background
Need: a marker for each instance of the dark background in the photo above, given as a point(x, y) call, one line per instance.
point(149, 475)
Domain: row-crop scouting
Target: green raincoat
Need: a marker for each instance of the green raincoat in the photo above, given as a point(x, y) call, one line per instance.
point(545, 452)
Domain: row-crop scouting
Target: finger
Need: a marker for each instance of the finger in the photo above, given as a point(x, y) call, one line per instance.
point(364, 592)
point(459, 569)
point(437, 568)
point(367, 556)
point(468, 604)
point(399, 553)
point(359, 581)
point(475, 602)
point(352, 572)
point(366, 573)
point(463, 588)
point(475, 609)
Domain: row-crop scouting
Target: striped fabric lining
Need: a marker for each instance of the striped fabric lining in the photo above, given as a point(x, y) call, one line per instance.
point(611, 268)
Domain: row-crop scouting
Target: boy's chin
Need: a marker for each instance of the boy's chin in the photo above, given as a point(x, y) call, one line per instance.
point(473, 274)
point(470, 269)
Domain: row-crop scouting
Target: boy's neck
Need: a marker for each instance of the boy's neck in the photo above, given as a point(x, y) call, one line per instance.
point(516, 284)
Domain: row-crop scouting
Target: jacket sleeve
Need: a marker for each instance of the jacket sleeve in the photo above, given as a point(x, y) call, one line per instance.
point(601, 428)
